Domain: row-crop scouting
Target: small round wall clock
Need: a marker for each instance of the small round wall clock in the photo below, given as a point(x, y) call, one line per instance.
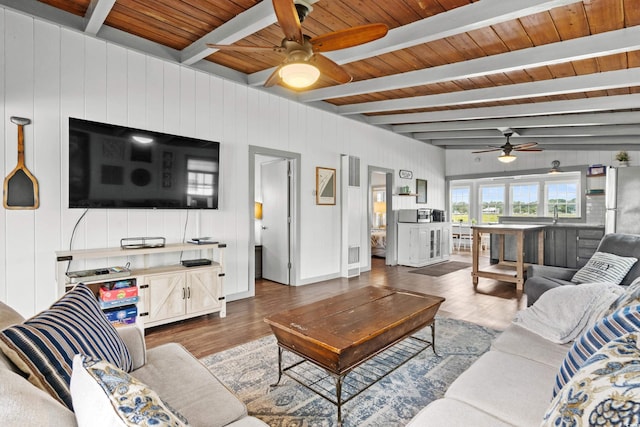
point(406, 174)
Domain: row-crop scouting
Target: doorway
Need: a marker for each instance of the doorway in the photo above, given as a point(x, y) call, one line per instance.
point(381, 230)
point(274, 196)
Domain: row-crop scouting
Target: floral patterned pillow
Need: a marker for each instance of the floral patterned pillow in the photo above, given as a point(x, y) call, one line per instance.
point(604, 391)
point(104, 395)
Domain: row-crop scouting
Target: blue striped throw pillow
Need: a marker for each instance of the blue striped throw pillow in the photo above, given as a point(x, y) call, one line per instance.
point(618, 323)
point(43, 346)
point(604, 267)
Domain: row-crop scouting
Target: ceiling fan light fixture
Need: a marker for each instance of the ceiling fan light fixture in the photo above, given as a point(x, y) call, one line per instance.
point(555, 167)
point(299, 75)
point(506, 158)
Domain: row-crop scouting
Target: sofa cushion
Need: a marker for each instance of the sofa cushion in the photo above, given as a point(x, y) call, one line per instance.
point(631, 296)
point(22, 404)
point(536, 286)
point(44, 345)
point(521, 342)
point(604, 391)
point(8, 317)
point(452, 413)
point(604, 267)
point(105, 396)
point(511, 388)
point(620, 322)
point(188, 386)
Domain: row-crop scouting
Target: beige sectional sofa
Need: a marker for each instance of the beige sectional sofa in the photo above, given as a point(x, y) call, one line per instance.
point(510, 385)
point(170, 370)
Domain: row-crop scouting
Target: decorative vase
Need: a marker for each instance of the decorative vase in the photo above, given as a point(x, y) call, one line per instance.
point(623, 163)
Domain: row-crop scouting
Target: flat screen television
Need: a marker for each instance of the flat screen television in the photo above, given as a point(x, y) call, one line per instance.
point(114, 166)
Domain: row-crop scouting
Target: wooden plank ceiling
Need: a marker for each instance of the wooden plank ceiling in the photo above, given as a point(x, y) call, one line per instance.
point(453, 73)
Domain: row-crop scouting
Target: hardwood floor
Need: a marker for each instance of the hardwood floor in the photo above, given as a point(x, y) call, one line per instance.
point(492, 304)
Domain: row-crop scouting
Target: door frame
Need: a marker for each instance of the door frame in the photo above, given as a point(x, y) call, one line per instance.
point(391, 256)
point(294, 236)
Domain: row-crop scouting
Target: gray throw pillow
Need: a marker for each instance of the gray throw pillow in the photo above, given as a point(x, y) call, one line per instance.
point(604, 267)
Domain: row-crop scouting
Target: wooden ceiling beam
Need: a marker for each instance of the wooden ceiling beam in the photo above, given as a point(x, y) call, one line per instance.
point(463, 136)
point(625, 40)
point(602, 103)
point(586, 119)
point(456, 21)
point(248, 22)
point(590, 82)
point(97, 13)
point(545, 143)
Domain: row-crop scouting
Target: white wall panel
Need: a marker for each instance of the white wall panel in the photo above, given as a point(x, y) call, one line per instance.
point(3, 163)
point(46, 120)
point(20, 224)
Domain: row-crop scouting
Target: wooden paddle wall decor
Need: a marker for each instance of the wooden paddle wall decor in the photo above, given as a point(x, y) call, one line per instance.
point(20, 189)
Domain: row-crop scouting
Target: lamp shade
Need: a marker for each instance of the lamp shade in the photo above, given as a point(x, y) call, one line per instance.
point(380, 207)
point(257, 207)
point(299, 75)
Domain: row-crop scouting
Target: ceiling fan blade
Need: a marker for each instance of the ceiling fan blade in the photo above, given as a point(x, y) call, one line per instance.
point(528, 149)
point(489, 150)
point(525, 145)
point(348, 37)
point(288, 20)
point(330, 69)
point(241, 48)
point(274, 78)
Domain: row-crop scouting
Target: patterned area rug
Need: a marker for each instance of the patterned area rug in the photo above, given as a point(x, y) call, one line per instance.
point(249, 369)
point(442, 268)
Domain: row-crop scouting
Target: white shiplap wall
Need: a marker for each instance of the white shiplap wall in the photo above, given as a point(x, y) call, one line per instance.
point(49, 73)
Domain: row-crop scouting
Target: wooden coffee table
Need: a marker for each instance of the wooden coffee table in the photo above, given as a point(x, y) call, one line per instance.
point(340, 333)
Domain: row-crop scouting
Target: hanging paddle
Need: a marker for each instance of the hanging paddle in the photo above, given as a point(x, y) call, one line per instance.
point(20, 186)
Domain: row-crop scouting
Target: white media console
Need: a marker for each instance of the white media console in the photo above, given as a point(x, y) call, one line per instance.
point(167, 293)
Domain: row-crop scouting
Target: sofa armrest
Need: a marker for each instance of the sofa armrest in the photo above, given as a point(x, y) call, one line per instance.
point(133, 338)
point(536, 270)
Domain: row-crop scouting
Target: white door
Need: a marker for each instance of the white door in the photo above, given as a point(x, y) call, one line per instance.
point(274, 178)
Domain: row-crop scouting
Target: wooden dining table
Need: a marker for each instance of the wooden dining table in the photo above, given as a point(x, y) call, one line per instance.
point(505, 269)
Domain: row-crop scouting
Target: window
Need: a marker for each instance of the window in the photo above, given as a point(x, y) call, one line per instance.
point(491, 202)
point(564, 195)
point(460, 204)
point(524, 199)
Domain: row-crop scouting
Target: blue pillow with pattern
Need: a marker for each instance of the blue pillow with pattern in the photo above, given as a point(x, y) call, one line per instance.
point(43, 346)
point(618, 323)
point(604, 392)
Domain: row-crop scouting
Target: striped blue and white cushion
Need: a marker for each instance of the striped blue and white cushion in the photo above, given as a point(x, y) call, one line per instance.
point(617, 324)
point(604, 267)
point(43, 346)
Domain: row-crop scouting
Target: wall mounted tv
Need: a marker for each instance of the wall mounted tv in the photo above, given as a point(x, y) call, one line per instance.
point(120, 167)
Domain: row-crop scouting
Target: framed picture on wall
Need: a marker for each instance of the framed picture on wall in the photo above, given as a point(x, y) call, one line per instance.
point(325, 186)
point(421, 189)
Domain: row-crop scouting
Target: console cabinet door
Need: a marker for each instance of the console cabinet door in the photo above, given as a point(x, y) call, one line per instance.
point(204, 290)
point(166, 295)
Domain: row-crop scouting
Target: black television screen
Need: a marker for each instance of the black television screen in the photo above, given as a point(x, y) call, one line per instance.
point(120, 167)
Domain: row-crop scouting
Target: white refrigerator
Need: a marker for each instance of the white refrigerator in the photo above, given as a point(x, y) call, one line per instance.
point(622, 204)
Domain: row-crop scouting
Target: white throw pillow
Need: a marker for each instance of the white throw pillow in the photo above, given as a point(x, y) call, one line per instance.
point(105, 396)
point(604, 267)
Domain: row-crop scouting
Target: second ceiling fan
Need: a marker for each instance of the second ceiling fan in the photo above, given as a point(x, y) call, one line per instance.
point(508, 148)
point(303, 60)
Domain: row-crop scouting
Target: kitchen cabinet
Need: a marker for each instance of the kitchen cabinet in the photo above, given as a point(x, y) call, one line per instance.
point(571, 246)
point(421, 244)
point(565, 245)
